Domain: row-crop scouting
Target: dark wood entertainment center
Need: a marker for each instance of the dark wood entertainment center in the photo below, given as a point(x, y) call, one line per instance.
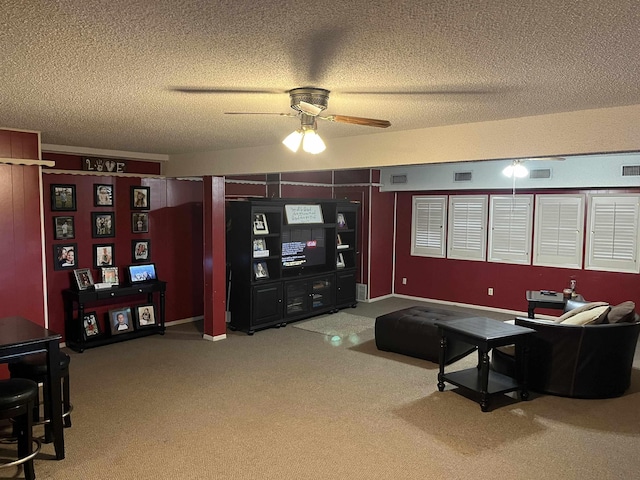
point(273, 279)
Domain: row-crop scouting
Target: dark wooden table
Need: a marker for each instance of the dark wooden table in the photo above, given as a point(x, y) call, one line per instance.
point(20, 337)
point(546, 299)
point(485, 333)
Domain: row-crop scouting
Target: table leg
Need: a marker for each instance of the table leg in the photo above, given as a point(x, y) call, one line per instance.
point(443, 351)
point(524, 362)
point(484, 379)
point(55, 394)
point(531, 310)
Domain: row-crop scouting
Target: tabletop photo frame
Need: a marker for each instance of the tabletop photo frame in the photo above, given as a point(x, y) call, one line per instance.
point(145, 315)
point(84, 279)
point(110, 275)
point(91, 327)
point(260, 226)
point(120, 321)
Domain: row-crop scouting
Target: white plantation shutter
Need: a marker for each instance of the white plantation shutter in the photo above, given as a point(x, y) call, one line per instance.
point(427, 226)
point(467, 238)
point(613, 233)
point(559, 231)
point(510, 229)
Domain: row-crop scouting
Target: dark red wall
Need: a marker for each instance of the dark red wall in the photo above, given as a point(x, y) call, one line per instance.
point(175, 232)
point(467, 282)
point(23, 145)
point(381, 245)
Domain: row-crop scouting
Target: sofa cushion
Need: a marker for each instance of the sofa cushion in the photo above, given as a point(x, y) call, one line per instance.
point(576, 311)
point(588, 317)
point(623, 312)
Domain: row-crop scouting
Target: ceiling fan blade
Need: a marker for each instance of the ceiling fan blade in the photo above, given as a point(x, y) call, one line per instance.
point(224, 90)
point(261, 113)
point(309, 108)
point(367, 122)
point(546, 159)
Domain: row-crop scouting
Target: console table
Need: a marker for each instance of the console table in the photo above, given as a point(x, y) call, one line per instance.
point(546, 299)
point(484, 333)
point(74, 327)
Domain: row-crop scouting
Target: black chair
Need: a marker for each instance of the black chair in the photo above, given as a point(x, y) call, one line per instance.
point(17, 399)
point(34, 367)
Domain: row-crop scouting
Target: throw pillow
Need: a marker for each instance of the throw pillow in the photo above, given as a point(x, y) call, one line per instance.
point(624, 312)
point(576, 311)
point(588, 317)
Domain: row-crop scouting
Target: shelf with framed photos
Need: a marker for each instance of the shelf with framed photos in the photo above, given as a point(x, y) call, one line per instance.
point(76, 302)
point(282, 257)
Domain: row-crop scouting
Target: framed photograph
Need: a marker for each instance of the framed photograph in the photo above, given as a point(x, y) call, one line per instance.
point(64, 256)
point(341, 221)
point(260, 248)
point(84, 279)
point(102, 195)
point(141, 273)
point(104, 255)
point(145, 316)
point(63, 228)
point(296, 214)
point(340, 261)
point(260, 226)
point(140, 223)
point(120, 320)
point(140, 250)
point(260, 270)
point(339, 243)
point(91, 326)
point(104, 224)
point(140, 198)
point(110, 275)
point(63, 198)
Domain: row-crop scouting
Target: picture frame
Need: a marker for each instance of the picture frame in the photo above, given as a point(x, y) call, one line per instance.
point(110, 275)
point(63, 198)
point(145, 316)
point(140, 250)
point(103, 195)
point(260, 225)
point(120, 321)
point(340, 261)
point(91, 326)
point(140, 198)
point(339, 242)
point(140, 223)
point(84, 279)
point(104, 255)
point(260, 270)
point(63, 228)
point(303, 214)
point(65, 256)
point(141, 273)
point(103, 224)
point(260, 248)
point(341, 221)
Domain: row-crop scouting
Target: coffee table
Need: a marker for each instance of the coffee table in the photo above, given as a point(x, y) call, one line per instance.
point(485, 333)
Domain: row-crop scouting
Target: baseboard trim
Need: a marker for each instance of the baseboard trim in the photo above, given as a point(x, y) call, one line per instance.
point(214, 338)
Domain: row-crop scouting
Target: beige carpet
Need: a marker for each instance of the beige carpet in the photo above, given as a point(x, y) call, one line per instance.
point(341, 324)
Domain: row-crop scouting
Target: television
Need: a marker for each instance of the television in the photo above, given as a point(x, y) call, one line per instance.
point(303, 247)
point(142, 273)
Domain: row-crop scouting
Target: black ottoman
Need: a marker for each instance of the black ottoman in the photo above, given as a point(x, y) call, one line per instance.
point(412, 332)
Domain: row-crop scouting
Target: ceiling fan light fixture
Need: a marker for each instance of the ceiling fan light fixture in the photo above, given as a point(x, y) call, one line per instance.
point(516, 170)
point(293, 140)
point(312, 143)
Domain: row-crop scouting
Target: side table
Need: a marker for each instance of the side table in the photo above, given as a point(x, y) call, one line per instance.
point(546, 299)
point(485, 333)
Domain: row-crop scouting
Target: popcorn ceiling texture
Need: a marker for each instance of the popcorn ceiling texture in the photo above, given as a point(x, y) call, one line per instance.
point(99, 74)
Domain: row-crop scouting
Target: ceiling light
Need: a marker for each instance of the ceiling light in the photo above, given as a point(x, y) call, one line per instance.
point(516, 170)
point(312, 143)
point(293, 140)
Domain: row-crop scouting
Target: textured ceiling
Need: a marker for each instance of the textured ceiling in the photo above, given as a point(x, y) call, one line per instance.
point(102, 74)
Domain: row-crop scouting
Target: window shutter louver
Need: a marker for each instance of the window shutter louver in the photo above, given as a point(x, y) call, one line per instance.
point(427, 234)
point(467, 237)
point(510, 229)
point(558, 231)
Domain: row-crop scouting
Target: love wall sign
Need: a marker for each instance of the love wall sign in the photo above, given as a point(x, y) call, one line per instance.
point(102, 165)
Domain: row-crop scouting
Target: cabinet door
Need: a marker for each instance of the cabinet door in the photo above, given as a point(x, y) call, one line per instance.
point(346, 288)
point(296, 298)
point(267, 303)
point(322, 292)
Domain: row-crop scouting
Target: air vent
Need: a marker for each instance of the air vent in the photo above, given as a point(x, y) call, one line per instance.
point(395, 179)
point(631, 170)
point(540, 173)
point(462, 177)
point(361, 292)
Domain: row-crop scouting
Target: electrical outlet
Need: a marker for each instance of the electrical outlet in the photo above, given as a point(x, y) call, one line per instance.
point(490, 291)
point(404, 280)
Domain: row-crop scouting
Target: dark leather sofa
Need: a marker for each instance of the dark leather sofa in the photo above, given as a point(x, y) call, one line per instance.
point(580, 361)
point(412, 332)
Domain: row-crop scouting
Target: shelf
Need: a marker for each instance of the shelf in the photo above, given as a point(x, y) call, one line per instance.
point(470, 378)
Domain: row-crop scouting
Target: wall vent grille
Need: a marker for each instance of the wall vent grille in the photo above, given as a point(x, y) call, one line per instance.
point(396, 179)
point(540, 173)
point(361, 292)
point(462, 176)
point(631, 170)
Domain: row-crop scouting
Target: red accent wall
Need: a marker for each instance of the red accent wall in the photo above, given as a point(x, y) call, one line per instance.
point(467, 281)
point(23, 145)
point(175, 232)
point(381, 245)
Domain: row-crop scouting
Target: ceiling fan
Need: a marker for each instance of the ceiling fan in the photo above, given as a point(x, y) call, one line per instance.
point(309, 103)
point(516, 169)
